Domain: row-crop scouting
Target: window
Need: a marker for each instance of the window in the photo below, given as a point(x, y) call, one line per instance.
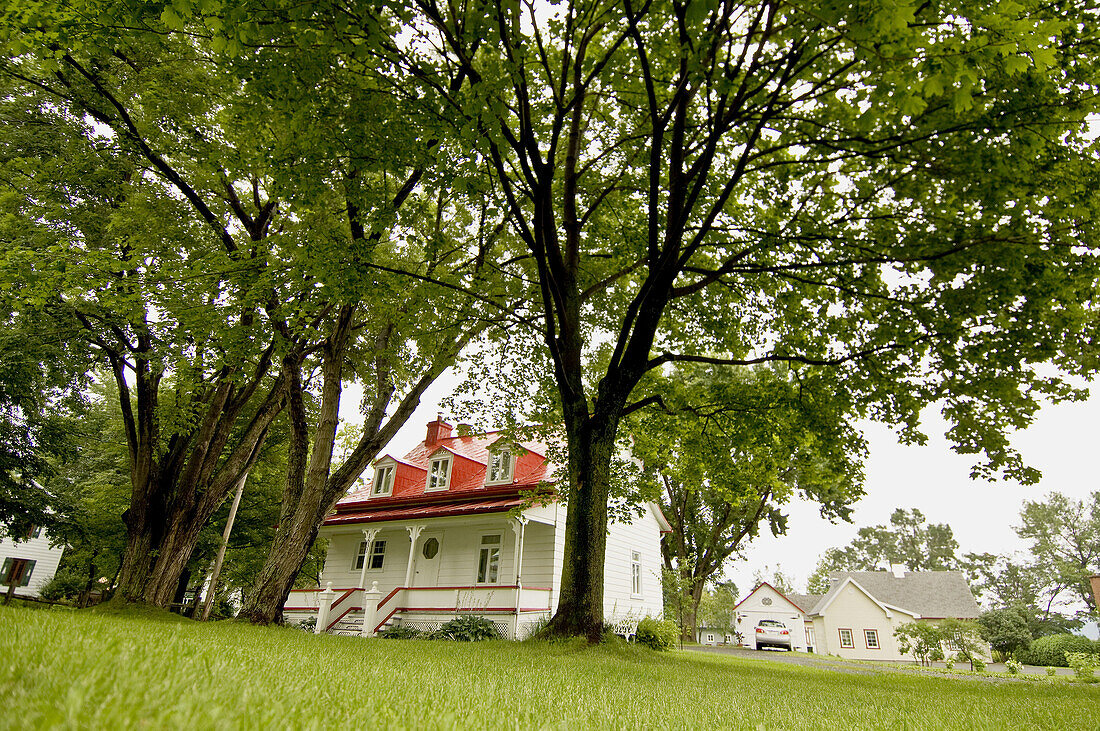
point(870, 636)
point(710, 638)
point(846, 638)
point(635, 573)
point(383, 481)
point(16, 571)
point(376, 558)
point(500, 466)
point(34, 531)
point(766, 601)
point(488, 560)
point(439, 473)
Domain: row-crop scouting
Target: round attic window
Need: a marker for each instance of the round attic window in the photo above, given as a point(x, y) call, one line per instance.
point(431, 548)
point(766, 601)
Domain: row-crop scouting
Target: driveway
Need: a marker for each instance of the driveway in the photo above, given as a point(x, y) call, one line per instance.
point(841, 665)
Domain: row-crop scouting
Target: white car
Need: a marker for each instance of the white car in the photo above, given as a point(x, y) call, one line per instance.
point(772, 633)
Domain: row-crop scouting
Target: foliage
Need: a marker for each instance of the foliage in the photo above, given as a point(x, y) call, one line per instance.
point(1004, 630)
point(466, 628)
point(907, 541)
point(1064, 536)
point(964, 637)
point(657, 634)
point(716, 609)
point(1084, 664)
point(309, 624)
point(65, 585)
point(923, 640)
point(821, 188)
point(400, 632)
point(777, 579)
point(730, 449)
point(1051, 650)
point(1013, 666)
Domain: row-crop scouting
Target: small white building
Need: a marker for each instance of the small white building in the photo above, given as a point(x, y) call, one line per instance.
point(30, 562)
point(467, 524)
point(767, 602)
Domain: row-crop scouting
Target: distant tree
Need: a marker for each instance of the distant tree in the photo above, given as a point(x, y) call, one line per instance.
point(777, 579)
point(1005, 630)
point(727, 453)
point(906, 540)
point(1065, 544)
point(717, 607)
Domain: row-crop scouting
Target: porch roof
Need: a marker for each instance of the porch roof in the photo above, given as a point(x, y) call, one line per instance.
point(441, 509)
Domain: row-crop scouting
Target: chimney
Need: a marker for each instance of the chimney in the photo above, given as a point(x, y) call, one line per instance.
point(437, 430)
point(898, 570)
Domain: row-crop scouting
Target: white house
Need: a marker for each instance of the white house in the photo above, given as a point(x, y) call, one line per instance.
point(857, 617)
point(466, 524)
point(30, 562)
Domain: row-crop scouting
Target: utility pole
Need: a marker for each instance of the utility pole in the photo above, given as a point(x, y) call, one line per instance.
point(221, 549)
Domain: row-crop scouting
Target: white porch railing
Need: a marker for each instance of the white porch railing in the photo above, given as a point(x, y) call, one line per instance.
point(479, 600)
point(489, 600)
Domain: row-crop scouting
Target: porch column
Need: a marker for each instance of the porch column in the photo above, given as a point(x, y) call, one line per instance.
point(414, 534)
point(518, 524)
point(324, 604)
point(368, 536)
point(370, 610)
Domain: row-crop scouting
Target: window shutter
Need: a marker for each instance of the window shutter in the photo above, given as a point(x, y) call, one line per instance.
point(6, 571)
point(28, 567)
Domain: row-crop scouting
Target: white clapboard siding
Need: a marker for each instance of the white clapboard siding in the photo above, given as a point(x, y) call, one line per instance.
point(641, 535)
point(45, 557)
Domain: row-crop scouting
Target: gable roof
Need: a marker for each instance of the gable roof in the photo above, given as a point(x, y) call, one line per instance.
point(783, 596)
point(929, 594)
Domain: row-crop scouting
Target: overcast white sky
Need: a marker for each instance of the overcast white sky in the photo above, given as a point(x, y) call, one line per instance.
point(1062, 443)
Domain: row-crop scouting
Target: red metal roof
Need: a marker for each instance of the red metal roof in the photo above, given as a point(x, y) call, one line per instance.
point(466, 492)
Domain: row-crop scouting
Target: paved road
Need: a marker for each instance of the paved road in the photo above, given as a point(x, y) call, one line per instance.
point(856, 666)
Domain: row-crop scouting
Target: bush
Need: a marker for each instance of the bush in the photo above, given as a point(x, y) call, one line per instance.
point(309, 624)
point(467, 628)
point(659, 634)
point(1051, 650)
point(1012, 666)
point(1051, 671)
point(978, 664)
point(400, 632)
point(1083, 664)
point(63, 585)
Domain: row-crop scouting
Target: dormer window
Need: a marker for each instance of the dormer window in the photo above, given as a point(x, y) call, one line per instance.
point(383, 481)
point(500, 466)
point(439, 473)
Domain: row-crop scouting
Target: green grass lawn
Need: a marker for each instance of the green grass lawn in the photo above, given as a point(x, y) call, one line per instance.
point(92, 669)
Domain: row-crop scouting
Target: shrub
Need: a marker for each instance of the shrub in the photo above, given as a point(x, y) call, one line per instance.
point(63, 585)
point(1052, 649)
point(467, 628)
point(920, 639)
point(1012, 666)
point(659, 634)
point(978, 664)
point(308, 624)
point(950, 662)
point(400, 632)
point(1083, 664)
point(1051, 671)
